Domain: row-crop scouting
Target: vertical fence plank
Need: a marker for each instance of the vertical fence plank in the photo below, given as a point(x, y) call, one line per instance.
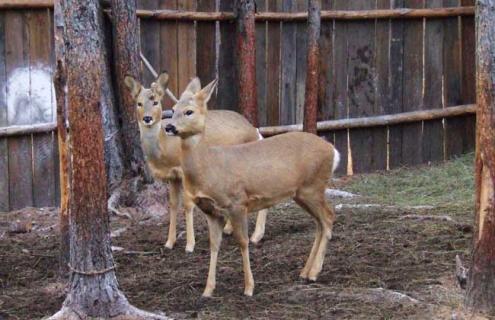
point(38, 24)
point(361, 90)
point(468, 63)
point(412, 139)
point(433, 131)
point(168, 59)
point(4, 151)
point(186, 46)
point(273, 68)
point(206, 48)
point(150, 39)
point(261, 66)
point(288, 67)
point(395, 104)
point(339, 84)
point(455, 127)
point(227, 73)
point(325, 105)
point(381, 77)
point(20, 157)
point(301, 62)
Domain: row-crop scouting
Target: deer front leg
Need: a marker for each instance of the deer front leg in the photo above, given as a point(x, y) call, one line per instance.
point(173, 201)
point(215, 230)
point(240, 227)
point(188, 211)
point(259, 231)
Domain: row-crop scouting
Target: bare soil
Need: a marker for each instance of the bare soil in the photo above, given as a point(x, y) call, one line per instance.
point(371, 249)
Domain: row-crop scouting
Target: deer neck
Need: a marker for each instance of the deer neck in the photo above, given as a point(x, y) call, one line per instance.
point(153, 139)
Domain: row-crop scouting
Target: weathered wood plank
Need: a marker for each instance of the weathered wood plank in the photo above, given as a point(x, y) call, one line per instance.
point(227, 73)
point(395, 83)
point(412, 139)
point(261, 65)
point(433, 131)
point(20, 157)
point(150, 39)
point(186, 46)
point(325, 105)
point(273, 69)
point(301, 62)
point(206, 48)
point(39, 29)
point(361, 89)
point(454, 128)
point(168, 52)
point(288, 65)
point(4, 151)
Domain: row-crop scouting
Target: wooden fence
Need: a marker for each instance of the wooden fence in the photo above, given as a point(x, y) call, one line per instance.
point(370, 67)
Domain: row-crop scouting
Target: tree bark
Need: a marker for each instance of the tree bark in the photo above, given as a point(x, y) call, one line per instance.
point(246, 37)
point(313, 67)
point(126, 56)
point(93, 289)
point(481, 279)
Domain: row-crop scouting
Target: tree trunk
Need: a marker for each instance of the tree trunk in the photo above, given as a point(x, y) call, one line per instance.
point(313, 67)
point(127, 62)
point(481, 278)
point(246, 34)
point(93, 290)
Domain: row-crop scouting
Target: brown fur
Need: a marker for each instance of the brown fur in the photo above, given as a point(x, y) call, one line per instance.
point(162, 152)
point(231, 181)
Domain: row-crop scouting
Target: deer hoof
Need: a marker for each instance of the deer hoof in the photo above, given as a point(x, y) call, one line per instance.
point(169, 245)
point(190, 248)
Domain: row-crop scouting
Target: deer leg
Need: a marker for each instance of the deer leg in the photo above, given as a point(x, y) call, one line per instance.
point(228, 227)
point(188, 211)
point(215, 231)
point(327, 216)
point(173, 201)
point(259, 231)
point(240, 225)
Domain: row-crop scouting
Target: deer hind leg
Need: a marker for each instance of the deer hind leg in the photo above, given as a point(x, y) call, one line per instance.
point(240, 226)
point(188, 211)
point(315, 204)
point(215, 230)
point(259, 231)
point(173, 200)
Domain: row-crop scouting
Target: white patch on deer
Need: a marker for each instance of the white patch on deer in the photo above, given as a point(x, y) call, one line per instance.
point(260, 137)
point(30, 96)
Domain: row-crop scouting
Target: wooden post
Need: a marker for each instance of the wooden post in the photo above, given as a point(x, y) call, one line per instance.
point(313, 67)
point(481, 279)
point(246, 49)
point(126, 55)
point(60, 82)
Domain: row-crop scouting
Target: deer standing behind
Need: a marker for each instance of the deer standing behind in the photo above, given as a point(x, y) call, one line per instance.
point(231, 181)
point(163, 152)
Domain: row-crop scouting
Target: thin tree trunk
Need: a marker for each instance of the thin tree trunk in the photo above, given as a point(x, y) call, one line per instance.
point(127, 62)
point(481, 279)
point(313, 68)
point(246, 37)
point(93, 289)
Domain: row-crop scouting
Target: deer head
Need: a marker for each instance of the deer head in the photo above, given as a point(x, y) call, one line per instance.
point(148, 100)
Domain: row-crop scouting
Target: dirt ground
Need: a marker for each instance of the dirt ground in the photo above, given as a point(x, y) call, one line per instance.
point(379, 265)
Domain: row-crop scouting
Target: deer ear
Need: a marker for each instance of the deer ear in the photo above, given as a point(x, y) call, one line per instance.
point(194, 85)
point(160, 85)
point(205, 94)
point(133, 85)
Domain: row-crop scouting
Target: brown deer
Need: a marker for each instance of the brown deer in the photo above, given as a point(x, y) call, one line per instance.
point(231, 181)
point(162, 152)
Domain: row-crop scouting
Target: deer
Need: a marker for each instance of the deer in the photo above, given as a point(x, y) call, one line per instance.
point(163, 153)
point(229, 182)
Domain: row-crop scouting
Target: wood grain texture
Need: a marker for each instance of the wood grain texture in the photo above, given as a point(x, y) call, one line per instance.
point(273, 68)
point(301, 62)
point(168, 31)
point(288, 64)
point(20, 156)
point(150, 39)
point(433, 131)
point(4, 151)
point(39, 29)
point(261, 65)
point(206, 48)
point(186, 46)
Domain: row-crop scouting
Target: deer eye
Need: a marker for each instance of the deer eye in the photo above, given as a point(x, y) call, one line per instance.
point(155, 103)
point(189, 112)
point(140, 104)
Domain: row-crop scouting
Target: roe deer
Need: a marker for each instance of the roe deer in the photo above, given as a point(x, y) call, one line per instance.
point(231, 181)
point(162, 152)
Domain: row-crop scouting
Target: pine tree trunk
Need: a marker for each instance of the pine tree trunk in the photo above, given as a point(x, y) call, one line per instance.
point(93, 290)
point(481, 278)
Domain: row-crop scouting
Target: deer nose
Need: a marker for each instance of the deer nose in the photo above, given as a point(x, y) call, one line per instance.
point(171, 129)
point(147, 119)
